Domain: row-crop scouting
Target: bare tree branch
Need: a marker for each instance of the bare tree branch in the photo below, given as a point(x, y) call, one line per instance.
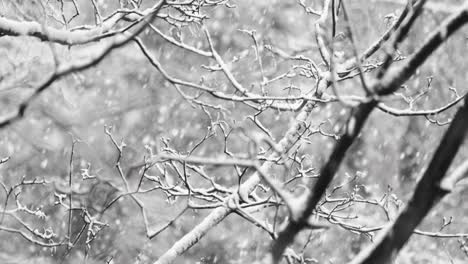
point(427, 193)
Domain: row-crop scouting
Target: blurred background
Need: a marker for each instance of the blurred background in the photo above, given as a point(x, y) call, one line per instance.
point(126, 93)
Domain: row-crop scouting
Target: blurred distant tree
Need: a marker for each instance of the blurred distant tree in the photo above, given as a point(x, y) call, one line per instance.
point(289, 131)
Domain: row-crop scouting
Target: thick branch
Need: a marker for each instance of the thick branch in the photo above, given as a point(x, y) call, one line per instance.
point(397, 75)
point(327, 173)
point(390, 81)
point(9, 27)
point(428, 192)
